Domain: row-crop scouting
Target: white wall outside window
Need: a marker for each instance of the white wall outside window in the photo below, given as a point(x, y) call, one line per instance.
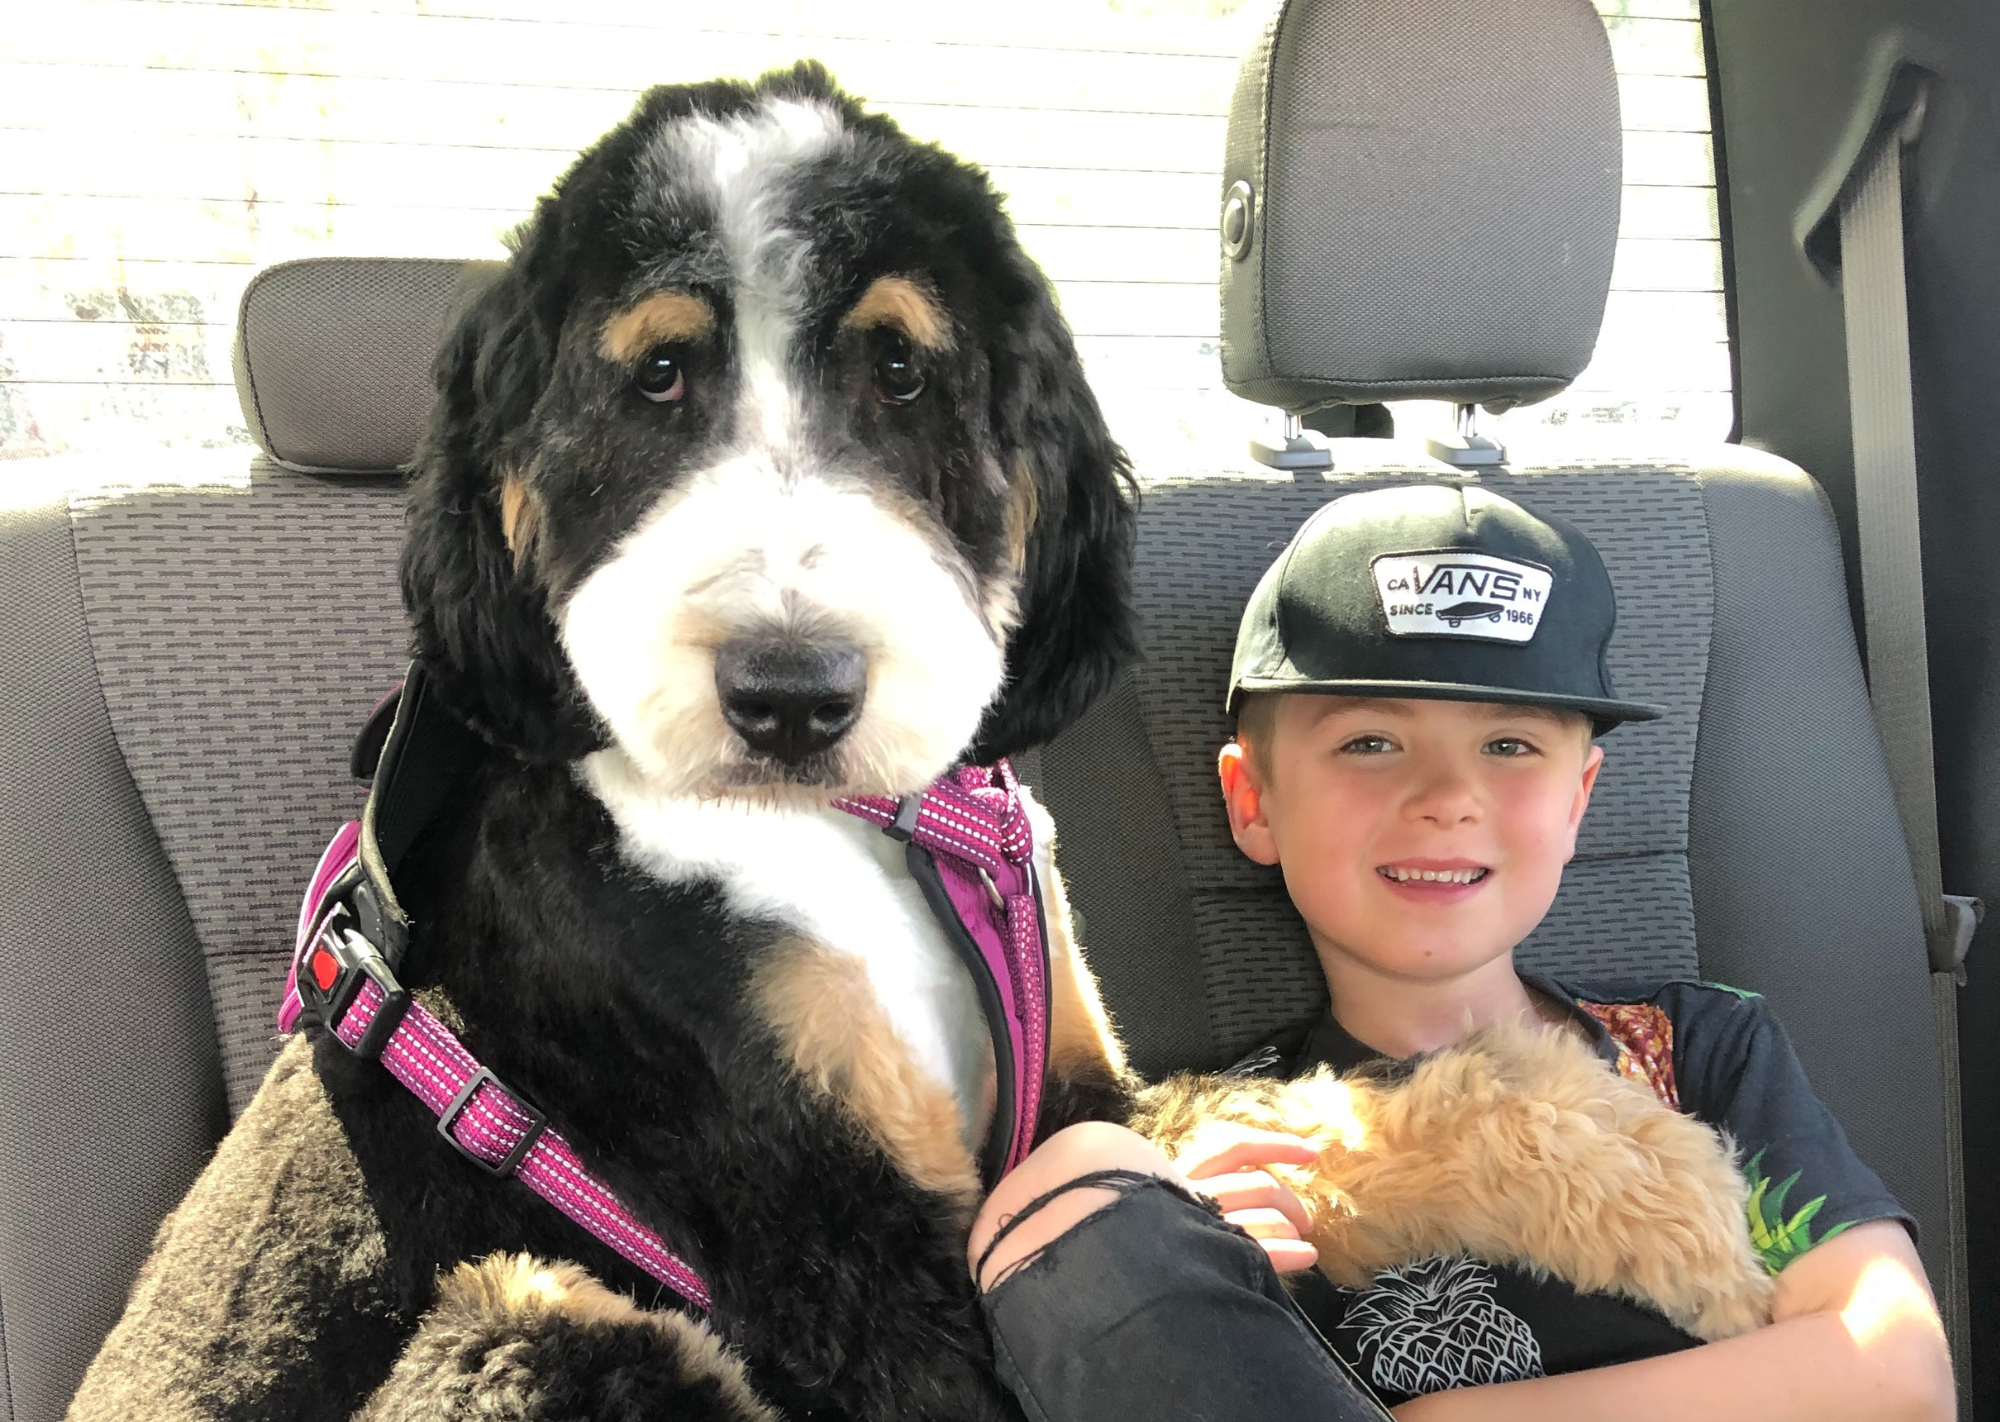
point(156, 153)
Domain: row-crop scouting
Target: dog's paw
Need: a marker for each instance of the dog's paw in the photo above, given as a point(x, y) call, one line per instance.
point(512, 1339)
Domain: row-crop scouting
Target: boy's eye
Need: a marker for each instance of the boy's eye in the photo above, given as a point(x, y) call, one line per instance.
point(1368, 745)
point(1509, 746)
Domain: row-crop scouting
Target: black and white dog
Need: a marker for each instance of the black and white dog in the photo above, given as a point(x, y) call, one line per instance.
point(766, 473)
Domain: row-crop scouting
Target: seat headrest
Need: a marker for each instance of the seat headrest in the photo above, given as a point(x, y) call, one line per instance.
point(333, 357)
point(1420, 201)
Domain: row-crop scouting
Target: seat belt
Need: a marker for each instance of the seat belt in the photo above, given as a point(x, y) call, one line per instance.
point(1885, 487)
point(1875, 294)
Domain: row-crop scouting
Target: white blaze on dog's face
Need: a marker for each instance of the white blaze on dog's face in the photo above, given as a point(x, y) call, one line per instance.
point(744, 553)
point(811, 599)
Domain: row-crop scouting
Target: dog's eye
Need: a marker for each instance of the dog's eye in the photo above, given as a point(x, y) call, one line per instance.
point(660, 378)
point(898, 380)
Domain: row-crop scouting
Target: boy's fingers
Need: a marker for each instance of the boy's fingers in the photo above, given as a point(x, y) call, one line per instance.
point(1246, 1151)
point(1288, 1256)
point(1262, 1223)
point(1254, 1189)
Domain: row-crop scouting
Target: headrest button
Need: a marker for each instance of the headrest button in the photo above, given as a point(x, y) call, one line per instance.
point(1237, 215)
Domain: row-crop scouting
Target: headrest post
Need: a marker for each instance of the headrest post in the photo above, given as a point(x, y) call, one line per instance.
point(1300, 448)
point(1468, 449)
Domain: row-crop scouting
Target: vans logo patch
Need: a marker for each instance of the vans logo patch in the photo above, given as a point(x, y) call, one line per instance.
point(1451, 593)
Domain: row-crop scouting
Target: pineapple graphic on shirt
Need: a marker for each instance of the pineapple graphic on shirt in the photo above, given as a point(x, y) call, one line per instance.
point(1435, 1325)
point(1777, 1238)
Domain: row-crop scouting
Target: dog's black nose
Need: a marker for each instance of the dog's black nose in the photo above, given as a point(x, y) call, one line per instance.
point(789, 699)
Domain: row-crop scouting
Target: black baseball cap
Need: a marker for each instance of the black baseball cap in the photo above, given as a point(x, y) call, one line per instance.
point(1436, 592)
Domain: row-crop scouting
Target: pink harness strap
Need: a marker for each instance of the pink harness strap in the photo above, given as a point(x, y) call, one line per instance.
point(477, 1114)
point(971, 821)
point(489, 1123)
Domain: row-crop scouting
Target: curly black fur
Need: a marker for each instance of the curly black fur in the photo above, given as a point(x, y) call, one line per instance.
point(482, 628)
point(1088, 1094)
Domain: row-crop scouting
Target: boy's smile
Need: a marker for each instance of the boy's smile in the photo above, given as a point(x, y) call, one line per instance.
point(1427, 881)
point(1420, 839)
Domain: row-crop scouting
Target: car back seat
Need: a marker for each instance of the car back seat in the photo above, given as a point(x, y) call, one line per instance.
point(186, 646)
point(1431, 209)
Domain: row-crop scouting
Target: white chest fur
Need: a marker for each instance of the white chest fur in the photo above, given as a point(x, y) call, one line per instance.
point(837, 880)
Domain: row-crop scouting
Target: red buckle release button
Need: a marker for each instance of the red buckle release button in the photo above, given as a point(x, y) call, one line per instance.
point(324, 970)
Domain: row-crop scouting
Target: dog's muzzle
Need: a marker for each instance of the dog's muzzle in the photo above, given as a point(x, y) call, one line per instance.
point(790, 700)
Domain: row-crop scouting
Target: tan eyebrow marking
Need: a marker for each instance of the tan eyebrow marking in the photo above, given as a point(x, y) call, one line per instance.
point(900, 302)
point(663, 316)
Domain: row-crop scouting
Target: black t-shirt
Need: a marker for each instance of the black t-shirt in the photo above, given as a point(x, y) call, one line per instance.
point(1714, 1052)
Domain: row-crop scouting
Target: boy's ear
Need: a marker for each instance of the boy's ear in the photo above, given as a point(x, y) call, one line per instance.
point(1593, 761)
point(1245, 803)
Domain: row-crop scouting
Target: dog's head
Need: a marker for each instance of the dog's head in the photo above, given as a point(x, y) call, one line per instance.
point(768, 458)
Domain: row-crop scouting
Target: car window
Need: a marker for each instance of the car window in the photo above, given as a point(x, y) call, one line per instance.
point(156, 153)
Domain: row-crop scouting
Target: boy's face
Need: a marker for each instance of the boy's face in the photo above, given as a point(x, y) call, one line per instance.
point(1359, 799)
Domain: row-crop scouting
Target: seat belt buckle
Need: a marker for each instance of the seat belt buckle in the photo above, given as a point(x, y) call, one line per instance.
point(334, 968)
point(1963, 915)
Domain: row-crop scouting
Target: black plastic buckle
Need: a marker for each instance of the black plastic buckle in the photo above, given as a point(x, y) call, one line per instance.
point(335, 965)
point(537, 1124)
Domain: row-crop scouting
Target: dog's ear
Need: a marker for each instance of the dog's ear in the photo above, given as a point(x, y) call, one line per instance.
point(482, 624)
point(1078, 627)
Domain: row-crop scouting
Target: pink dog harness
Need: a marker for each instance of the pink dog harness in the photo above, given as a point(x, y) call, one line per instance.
point(968, 843)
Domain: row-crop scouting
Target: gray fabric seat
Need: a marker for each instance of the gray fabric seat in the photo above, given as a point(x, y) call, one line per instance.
point(187, 645)
point(1420, 199)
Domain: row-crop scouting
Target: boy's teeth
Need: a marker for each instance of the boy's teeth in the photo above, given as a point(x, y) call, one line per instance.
point(1434, 876)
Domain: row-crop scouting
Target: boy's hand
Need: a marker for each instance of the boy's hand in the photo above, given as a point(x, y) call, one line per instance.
point(1226, 1163)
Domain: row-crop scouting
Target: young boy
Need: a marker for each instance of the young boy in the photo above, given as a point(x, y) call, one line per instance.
point(1417, 684)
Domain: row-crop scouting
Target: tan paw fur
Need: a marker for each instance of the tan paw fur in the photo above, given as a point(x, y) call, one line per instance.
point(519, 1292)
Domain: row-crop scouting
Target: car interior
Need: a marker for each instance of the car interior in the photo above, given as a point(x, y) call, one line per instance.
point(1415, 201)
